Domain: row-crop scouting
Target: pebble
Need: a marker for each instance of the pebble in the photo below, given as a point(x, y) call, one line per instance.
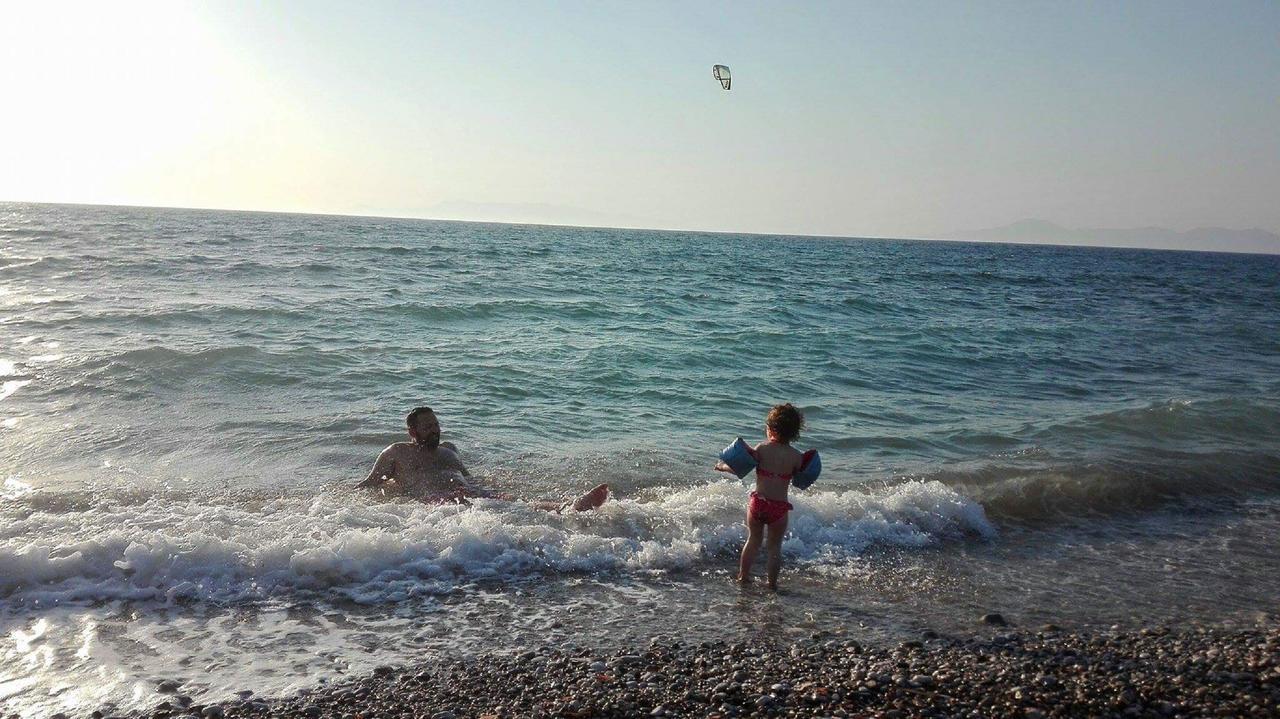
point(1144, 674)
point(994, 619)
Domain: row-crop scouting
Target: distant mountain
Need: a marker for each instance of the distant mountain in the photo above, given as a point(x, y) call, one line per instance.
point(1214, 239)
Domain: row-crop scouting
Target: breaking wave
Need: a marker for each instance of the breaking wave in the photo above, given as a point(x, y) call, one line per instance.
point(259, 547)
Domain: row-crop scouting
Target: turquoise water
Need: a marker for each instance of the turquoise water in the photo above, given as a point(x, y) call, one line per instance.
point(270, 346)
point(186, 398)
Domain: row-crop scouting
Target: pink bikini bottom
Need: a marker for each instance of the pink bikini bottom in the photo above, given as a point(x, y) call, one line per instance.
point(767, 510)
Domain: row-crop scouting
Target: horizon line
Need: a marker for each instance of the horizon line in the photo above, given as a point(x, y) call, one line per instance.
point(660, 229)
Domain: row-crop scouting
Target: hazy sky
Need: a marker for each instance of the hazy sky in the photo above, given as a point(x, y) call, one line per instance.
point(884, 119)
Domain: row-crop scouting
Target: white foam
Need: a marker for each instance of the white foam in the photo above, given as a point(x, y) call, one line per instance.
point(246, 547)
point(74, 565)
point(11, 386)
point(14, 488)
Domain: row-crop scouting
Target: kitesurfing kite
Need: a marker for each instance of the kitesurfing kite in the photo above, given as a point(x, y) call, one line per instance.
point(721, 73)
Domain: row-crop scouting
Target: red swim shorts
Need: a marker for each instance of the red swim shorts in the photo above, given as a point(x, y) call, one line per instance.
point(766, 510)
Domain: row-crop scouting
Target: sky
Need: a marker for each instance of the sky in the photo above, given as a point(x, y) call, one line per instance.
point(886, 119)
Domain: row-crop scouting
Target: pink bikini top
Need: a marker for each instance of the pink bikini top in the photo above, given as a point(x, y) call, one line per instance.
point(763, 473)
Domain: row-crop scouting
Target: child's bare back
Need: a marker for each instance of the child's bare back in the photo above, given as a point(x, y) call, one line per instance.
point(778, 460)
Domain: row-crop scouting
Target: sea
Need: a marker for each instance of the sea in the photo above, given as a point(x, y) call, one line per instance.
point(1080, 436)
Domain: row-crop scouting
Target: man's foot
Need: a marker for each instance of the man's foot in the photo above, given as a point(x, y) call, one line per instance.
point(773, 585)
point(743, 579)
point(592, 499)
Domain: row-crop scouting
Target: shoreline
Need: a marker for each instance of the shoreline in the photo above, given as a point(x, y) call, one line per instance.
point(1149, 672)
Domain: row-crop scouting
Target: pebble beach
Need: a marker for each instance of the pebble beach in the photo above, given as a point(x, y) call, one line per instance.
point(1047, 672)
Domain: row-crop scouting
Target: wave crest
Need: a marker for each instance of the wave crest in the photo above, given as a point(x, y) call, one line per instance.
point(244, 547)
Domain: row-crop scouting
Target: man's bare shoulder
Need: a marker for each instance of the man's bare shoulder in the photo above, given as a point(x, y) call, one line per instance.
point(396, 449)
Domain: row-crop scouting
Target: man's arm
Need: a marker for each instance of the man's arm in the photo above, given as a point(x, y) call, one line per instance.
point(450, 460)
point(383, 469)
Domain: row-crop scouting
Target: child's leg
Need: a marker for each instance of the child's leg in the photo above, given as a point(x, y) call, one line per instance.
point(774, 562)
point(755, 533)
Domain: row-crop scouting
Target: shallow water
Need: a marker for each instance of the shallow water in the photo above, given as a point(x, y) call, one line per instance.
point(1074, 435)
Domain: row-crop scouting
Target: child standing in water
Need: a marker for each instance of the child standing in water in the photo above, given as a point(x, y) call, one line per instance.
point(768, 505)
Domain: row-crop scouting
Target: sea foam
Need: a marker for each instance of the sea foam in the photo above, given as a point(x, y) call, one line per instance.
point(243, 546)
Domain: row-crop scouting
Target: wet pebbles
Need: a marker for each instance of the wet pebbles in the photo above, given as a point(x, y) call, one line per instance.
point(1049, 673)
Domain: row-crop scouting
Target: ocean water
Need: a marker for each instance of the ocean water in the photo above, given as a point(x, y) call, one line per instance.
point(1082, 436)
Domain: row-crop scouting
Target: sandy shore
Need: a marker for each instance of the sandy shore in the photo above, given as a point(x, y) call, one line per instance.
point(1045, 673)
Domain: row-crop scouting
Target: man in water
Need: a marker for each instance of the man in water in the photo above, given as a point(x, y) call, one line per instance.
point(427, 469)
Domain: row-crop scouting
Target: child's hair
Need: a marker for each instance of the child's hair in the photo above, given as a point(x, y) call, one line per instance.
point(785, 422)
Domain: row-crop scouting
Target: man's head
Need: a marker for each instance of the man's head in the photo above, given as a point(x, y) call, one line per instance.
point(424, 428)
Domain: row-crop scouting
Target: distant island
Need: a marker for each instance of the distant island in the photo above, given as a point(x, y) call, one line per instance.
point(1212, 239)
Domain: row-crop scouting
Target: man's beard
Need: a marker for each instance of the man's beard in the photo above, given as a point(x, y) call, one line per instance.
point(431, 441)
